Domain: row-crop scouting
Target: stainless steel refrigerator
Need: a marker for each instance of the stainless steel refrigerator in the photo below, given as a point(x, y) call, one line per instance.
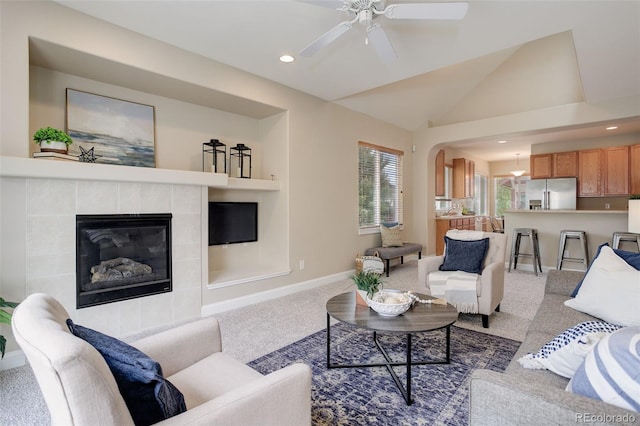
point(551, 194)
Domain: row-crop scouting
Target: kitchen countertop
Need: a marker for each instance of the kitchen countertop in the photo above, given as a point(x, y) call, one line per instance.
point(462, 216)
point(569, 211)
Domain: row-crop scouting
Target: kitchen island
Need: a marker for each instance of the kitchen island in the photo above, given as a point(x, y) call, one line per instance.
point(598, 224)
point(461, 222)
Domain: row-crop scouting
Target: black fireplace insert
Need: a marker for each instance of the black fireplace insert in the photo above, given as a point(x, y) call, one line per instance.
point(122, 256)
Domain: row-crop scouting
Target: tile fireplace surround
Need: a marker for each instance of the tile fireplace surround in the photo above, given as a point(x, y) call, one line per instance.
point(38, 238)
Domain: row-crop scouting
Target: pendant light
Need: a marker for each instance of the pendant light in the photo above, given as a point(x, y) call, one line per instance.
point(518, 172)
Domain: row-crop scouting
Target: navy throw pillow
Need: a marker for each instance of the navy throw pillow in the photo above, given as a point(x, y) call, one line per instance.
point(630, 257)
point(150, 398)
point(463, 255)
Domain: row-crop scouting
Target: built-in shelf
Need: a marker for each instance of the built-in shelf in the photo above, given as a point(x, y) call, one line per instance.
point(56, 169)
point(253, 184)
point(226, 278)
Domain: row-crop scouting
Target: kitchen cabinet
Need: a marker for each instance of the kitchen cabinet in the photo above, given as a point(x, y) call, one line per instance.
point(444, 224)
point(463, 178)
point(556, 165)
point(590, 173)
point(616, 170)
point(540, 166)
point(565, 164)
point(603, 172)
point(634, 168)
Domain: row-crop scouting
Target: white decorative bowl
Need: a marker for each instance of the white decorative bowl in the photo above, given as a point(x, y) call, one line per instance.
point(400, 302)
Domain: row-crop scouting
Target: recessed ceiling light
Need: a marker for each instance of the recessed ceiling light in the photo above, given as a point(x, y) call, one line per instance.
point(287, 58)
point(502, 141)
point(612, 127)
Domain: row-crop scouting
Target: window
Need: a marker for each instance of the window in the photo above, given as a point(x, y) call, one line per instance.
point(481, 201)
point(510, 193)
point(380, 186)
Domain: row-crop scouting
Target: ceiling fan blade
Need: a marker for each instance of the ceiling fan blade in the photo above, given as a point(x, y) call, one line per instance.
point(381, 43)
point(332, 4)
point(426, 10)
point(326, 38)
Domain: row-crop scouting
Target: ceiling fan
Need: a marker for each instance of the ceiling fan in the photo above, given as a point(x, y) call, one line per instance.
point(366, 11)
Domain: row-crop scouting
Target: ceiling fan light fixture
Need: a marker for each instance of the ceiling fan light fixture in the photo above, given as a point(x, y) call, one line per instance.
point(365, 11)
point(365, 17)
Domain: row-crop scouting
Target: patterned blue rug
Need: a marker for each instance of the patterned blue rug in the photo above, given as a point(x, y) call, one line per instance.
point(368, 396)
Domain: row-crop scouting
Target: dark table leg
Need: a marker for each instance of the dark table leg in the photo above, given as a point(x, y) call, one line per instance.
point(405, 390)
point(328, 341)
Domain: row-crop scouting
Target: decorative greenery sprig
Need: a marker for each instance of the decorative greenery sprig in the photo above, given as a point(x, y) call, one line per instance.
point(51, 134)
point(370, 282)
point(5, 318)
point(634, 197)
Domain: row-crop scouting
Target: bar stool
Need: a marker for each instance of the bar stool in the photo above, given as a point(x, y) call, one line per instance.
point(573, 235)
point(518, 233)
point(625, 236)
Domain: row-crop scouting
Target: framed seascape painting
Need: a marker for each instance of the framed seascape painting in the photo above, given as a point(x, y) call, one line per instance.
point(110, 131)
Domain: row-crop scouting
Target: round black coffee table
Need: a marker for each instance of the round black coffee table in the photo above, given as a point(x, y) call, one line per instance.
point(420, 318)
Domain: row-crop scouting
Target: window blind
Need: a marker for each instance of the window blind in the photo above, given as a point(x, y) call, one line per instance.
point(380, 186)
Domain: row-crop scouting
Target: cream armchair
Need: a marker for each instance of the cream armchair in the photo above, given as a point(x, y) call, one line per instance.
point(80, 389)
point(489, 284)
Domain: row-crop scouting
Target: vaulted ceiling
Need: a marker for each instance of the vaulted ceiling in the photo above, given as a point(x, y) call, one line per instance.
point(503, 57)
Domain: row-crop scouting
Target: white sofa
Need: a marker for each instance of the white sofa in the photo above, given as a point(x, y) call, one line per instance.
point(80, 389)
point(489, 284)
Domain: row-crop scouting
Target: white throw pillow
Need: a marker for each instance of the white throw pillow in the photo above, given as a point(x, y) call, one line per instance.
point(610, 291)
point(566, 352)
point(611, 371)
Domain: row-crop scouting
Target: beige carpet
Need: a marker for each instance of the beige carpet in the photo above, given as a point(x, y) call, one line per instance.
point(256, 330)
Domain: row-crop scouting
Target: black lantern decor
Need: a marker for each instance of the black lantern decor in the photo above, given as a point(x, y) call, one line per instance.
point(240, 161)
point(215, 147)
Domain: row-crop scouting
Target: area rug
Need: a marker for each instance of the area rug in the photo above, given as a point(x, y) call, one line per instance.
point(368, 396)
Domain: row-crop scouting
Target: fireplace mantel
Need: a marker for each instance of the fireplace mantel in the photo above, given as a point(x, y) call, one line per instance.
point(53, 169)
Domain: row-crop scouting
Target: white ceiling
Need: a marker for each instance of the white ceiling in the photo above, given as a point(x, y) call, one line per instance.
point(440, 62)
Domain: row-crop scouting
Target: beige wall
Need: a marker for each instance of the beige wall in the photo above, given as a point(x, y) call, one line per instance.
point(307, 143)
point(316, 154)
point(180, 127)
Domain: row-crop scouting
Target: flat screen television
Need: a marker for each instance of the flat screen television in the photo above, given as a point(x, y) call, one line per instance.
point(232, 222)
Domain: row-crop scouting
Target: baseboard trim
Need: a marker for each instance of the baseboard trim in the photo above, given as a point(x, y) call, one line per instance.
point(240, 302)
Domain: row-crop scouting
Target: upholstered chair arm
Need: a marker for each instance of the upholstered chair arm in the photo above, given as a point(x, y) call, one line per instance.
point(491, 288)
point(281, 397)
point(427, 265)
point(182, 346)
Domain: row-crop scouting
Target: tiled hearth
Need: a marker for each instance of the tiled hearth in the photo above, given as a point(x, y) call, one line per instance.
point(39, 216)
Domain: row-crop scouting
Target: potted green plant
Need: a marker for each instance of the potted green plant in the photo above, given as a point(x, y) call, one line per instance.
point(367, 284)
point(5, 318)
point(52, 140)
